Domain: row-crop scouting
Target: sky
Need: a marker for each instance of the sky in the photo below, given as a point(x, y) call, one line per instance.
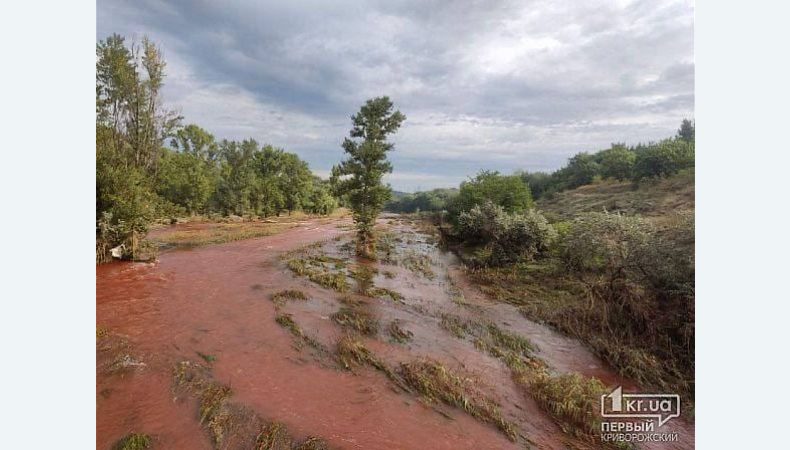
point(498, 85)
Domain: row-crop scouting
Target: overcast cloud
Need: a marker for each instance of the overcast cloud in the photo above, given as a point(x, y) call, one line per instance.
point(500, 85)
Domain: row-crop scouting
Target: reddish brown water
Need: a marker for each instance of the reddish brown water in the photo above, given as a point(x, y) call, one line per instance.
point(215, 300)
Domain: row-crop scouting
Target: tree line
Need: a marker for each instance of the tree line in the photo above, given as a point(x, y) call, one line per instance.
point(516, 192)
point(149, 165)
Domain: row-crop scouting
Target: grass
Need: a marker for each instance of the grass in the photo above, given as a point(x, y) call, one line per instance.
point(230, 424)
point(436, 382)
point(351, 352)
point(418, 263)
point(380, 292)
point(319, 268)
point(398, 334)
point(455, 325)
point(114, 354)
point(208, 358)
point(219, 233)
point(134, 441)
point(274, 436)
point(363, 274)
point(356, 319)
point(312, 443)
point(657, 197)
point(214, 411)
point(281, 297)
point(286, 321)
point(548, 296)
point(571, 399)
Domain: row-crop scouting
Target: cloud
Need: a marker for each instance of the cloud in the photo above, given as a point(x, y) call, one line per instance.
point(500, 85)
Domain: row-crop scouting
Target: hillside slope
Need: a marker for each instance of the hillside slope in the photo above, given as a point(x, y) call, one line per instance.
point(650, 198)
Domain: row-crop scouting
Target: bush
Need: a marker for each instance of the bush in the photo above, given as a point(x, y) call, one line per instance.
point(622, 248)
point(617, 162)
point(603, 243)
point(508, 191)
point(666, 158)
point(508, 238)
point(582, 168)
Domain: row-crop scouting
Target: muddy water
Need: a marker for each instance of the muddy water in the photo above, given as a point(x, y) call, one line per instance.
point(215, 300)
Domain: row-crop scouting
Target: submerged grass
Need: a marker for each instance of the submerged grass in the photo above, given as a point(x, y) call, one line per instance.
point(436, 382)
point(571, 399)
point(281, 297)
point(286, 321)
point(357, 319)
point(230, 424)
point(546, 295)
point(380, 292)
point(134, 441)
point(352, 352)
point(398, 334)
point(309, 261)
point(418, 263)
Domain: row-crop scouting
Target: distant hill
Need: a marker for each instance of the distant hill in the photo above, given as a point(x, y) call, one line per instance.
point(650, 198)
point(397, 195)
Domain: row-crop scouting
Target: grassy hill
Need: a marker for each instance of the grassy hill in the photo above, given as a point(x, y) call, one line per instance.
point(650, 198)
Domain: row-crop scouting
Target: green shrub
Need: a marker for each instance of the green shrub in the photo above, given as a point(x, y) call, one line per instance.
point(666, 158)
point(508, 238)
point(617, 162)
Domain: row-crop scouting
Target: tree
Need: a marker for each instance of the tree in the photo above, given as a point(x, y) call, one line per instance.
point(617, 162)
point(581, 169)
point(196, 141)
point(666, 158)
point(359, 176)
point(686, 131)
point(508, 191)
point(186, 180)
point(540, 183)
point(131, 126)
point(296, 181)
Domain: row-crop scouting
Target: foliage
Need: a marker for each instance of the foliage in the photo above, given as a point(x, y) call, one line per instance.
point(617, 162)
point(582, 169)
point(540, 183)
point(358, 178)
point(666, 158)
point(508, 238)
point(686, 131)
point(507, 191)
point(434, 200)
point(138, 179)
point(131, 125)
